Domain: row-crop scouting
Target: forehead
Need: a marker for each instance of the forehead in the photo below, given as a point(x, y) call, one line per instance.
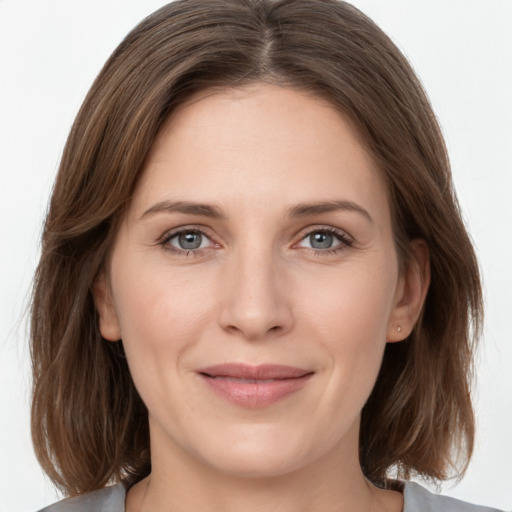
point(258, 145)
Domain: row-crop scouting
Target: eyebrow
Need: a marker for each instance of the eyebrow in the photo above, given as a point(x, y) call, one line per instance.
point(203, 210)
point(309, 209)
point(214, 212)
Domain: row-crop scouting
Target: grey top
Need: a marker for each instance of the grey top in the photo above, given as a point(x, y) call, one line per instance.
point(416, 499)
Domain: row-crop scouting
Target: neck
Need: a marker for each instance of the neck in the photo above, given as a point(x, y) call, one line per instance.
point(325, 485)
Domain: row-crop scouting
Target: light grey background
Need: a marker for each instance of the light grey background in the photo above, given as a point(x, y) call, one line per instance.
point(50, 51)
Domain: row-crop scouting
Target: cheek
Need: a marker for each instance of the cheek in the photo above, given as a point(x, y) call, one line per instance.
point(162, 314)
point(348, 316)
point(351, 306)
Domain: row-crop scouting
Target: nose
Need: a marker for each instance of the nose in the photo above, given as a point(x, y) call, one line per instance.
point(256, 298)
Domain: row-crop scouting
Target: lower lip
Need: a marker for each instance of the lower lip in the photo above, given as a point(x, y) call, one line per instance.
point(255, 394)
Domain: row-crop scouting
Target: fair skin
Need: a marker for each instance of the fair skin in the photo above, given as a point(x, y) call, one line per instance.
point(292, 262)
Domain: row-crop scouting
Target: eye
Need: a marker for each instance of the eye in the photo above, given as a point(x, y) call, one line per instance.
point(321, 240)
point(325, 239)
point(186, 240)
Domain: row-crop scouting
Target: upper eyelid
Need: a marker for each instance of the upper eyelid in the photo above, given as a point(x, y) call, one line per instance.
point(329, 229)
point(170, 233)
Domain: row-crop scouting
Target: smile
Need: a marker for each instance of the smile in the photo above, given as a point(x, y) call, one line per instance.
point(254, 386)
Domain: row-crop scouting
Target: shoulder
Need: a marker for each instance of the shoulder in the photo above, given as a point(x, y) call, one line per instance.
point(109, 499)
point(419, 499)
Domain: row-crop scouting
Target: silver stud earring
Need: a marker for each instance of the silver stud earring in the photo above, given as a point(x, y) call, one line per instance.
point(398, 328)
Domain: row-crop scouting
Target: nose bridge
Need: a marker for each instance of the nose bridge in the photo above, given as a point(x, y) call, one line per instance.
point(255, 302)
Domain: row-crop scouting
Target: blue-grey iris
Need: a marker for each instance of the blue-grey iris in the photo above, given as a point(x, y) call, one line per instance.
point(321, 240)
point(190, 240)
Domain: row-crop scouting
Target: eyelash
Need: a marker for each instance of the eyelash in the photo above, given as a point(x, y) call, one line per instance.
point(343, 238)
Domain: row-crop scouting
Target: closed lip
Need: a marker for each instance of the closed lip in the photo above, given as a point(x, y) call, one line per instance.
point(254, 386)
point(254, 372)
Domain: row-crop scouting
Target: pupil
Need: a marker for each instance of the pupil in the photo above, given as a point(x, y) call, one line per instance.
point(321, 240)
point(190, 240)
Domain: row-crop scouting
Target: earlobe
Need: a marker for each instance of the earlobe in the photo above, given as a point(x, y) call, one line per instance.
point(108, 321)
point(411, 292)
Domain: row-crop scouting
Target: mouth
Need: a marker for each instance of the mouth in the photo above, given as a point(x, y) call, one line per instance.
point(254, 386)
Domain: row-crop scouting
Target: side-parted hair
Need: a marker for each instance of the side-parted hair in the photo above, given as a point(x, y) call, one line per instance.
point(89, 425)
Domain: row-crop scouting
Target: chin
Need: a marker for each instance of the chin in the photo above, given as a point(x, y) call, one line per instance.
point(260, 465)
point(259, 454)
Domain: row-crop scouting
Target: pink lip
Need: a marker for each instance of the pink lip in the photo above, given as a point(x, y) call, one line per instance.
point(254, 386)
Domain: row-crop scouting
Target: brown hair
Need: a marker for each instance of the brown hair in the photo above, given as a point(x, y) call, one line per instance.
point(89, 425)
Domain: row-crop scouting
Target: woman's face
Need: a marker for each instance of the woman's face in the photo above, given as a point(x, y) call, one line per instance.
point(254, 283)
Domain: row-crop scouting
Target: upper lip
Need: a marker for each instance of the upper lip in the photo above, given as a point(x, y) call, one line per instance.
point(254, 372)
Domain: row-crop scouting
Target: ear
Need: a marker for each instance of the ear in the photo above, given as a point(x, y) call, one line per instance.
point(109, 323)
point(411, 292)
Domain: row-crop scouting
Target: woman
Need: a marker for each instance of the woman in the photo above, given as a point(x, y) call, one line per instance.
point(255, 289)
